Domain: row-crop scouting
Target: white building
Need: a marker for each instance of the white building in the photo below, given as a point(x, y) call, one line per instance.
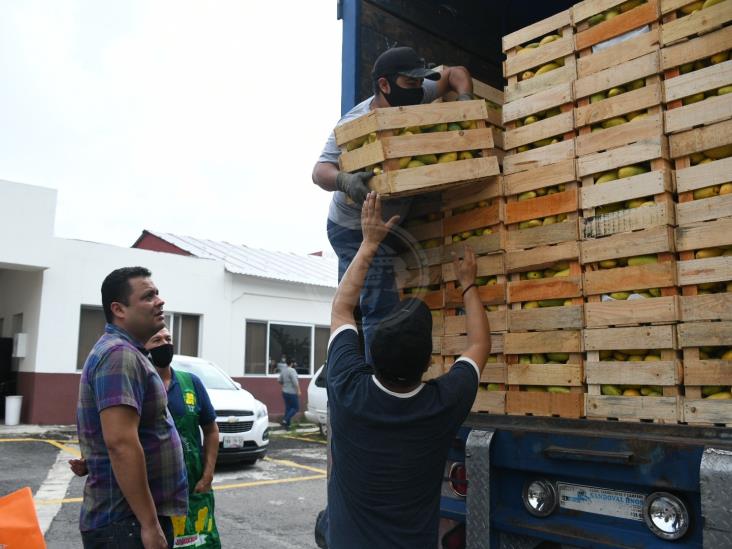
point(234, 305)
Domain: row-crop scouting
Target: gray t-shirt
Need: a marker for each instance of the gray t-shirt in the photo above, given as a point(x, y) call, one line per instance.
point(341, 211)
point(288, 379)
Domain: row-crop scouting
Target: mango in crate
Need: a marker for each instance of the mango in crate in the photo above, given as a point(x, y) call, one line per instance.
point(612, 122)
point(636, 115)
point(447, 157)
point(404, 162)
point(465, 155)
point(534, 275)
point(525, 359)
point(597, 97)
point(724, 90)
point(526, 75)
point(630, 171)
point(538, 358)
point(630, 4)
point(710, 3)
point(547, 68)
point(596, 19)
point(708, 252)
point(717, 153)
point(692, 99)
point(551, 303)
point(426, 158)
point(605, 177)
point(725, 188)
point(612, 92)
point(468, 124)
point(493, 387)
point(706, 192)
point(631, 392)
point(637, 84)
point(725, 395)
point(611, 390)
point(608, 264)
point(691, 8)
point(550, 220)
point(558, 357)
point(561, 274)
point(727, 355)
point(620, 296)
point(526, 195)
point(535, 389)
point(557, 389)
point(531, 120)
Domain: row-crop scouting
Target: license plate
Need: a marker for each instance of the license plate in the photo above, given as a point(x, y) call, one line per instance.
point(601, 501)
point(233, 442)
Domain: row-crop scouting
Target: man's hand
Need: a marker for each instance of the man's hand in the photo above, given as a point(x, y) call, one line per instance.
point(203, 485)
point(355, 185)
point(78, 466)
point(467, 268)
point(153, 537)
point(373, 228)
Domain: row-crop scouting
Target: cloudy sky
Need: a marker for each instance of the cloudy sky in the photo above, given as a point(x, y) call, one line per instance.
point(190, 117)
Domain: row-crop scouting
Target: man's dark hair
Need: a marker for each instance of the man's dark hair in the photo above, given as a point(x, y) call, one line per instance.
point(116, 287)
point(402, 343)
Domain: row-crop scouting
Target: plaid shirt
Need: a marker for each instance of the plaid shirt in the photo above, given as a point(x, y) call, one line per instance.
point(117, 372)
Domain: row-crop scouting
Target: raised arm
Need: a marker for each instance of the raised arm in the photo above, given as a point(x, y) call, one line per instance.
point(374, 231)
point(478, 328)
point(456, 79)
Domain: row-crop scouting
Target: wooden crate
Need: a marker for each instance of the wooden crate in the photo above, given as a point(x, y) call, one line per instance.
point(603, 372)
point(436, 369)
point(521, 60)
point(657, 241)
point(468, 212)
point(705, 257)
point(425, 284)
point(493, 97)
point(562, 206)
point(377, 133)
point(569, 375)
point(593, 31)
point(679, 26)
point(608, 206)
point(695, 181)
point(492, 287)
point(700, 372)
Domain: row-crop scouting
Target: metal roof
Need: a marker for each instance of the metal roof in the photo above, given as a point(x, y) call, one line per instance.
point(240, 259)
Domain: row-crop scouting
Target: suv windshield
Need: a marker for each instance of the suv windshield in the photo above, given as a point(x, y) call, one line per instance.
point(210, 375)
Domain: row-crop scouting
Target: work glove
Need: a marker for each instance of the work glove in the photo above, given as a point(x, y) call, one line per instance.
point(465, 97)
point(354, 185)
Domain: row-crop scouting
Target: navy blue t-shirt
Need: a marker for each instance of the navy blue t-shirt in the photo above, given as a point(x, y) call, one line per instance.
point(389, 449)
point(204, 408)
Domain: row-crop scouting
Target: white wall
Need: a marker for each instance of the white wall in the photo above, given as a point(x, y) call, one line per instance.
point(20, 293)
point(27, 215)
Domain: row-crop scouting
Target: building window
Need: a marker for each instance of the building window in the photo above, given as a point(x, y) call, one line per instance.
point(185, 330)
point(268, 342)
point(91, 328)
point(255, 352)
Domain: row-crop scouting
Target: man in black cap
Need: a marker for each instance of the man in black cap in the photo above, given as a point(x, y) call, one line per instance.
point(390, 432)
point(399, 78)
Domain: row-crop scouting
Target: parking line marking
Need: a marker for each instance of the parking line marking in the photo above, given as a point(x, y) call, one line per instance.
point(53, 489)
point(293, 464)
point(302, 438)
point(266, 482)
point(73, 451)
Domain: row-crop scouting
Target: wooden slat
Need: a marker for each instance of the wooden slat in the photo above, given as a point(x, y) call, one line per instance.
point(541, 257)
point(536, 30)
point(707, 411)
point(550, 127)
point(704, 235)
point(455, 325)
point(628, 188)
point(620, 24)
point(531, 58)
point(564, 341)
point(618, 75)
point(698, 22)
point(566, 375)
point(649, 241)
point(544, 288)
point(487, 265)
point(624, 221)
point(605, 281)
point(437, 142)
point(700, 139)
point(708, 111)
point(697, 48)
point(705, 334)
point(662, 372)
point(433, 177)
point(542, 206)
point(647, 131)
point(619, 53)
point(549, 318)
point(367, 155)
point(708, 372)
point(493, 402)
point(542, 82)
point(542, 236)
point(648, 149)
point(639, 311)
point(473, 219)
point(538, 158)
point(635, 100)
point(489, 295)
point(700, 271)
point(390, 118)
point(454, 345)
point(655, 408)
point(486, 244)
point(706, 307)
point(587, 8)
point(704, 175)
point(708, 78)
point(530, 180)
point(472, 193)
point(545, 404)
point(636, 337)
point(539, 102)
point(704, 210)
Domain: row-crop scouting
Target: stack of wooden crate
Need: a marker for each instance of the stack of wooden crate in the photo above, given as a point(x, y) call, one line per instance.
point(697, 71)
point(543, 343)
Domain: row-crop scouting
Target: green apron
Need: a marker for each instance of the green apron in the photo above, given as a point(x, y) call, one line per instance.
point(198, 529)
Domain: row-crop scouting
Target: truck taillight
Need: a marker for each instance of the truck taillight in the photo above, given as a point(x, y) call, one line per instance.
point(458, 478)
point(455, 538)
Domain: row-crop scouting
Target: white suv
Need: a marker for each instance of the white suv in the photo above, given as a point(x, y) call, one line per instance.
point(243, 420)
point(317, 411)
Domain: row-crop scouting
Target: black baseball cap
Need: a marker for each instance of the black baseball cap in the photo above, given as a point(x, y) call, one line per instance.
point(402, 342)
point(402, 60)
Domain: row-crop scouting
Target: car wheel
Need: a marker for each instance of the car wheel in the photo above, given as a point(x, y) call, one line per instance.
point(323, 429)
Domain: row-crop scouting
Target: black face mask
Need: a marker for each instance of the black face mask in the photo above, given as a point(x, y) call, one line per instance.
point(162, 356)
point(401, 97)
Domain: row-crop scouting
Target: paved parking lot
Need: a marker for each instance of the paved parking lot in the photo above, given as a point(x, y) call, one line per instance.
point(271, 504)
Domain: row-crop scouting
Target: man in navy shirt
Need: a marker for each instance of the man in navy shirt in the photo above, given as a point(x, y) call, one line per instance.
point(390, 432)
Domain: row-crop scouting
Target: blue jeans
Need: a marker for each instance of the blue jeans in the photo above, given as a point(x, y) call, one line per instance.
point(292, 406)
point(379, 295)
point(123, 534)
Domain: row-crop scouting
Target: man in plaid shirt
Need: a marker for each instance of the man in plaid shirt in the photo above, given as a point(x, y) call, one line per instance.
point(137, 476)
